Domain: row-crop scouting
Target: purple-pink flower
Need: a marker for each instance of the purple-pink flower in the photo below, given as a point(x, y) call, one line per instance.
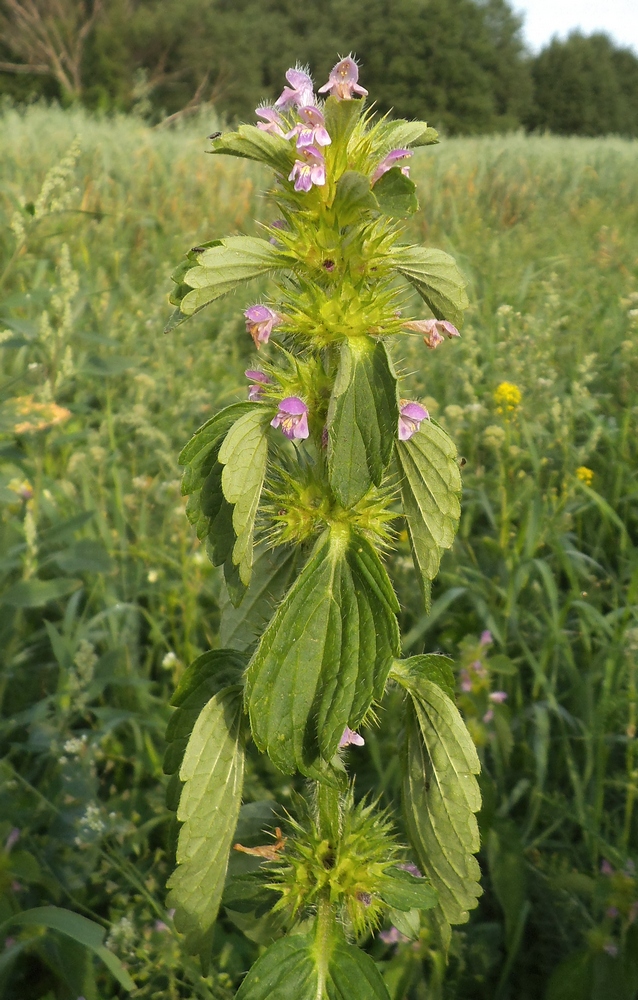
point(272, 121)
point(389, 161)
point(309, 168)
point(260, 321)
point(498, 697)
point(605, 867)
point(342, 82)
point(409, 866)
point(410, 417)
point(300, 92)
point(256, 392)
point(292, 418)
point(393, 936)
point(350, 737)
point(486, 638)
point(311, 130)
point(431, 330)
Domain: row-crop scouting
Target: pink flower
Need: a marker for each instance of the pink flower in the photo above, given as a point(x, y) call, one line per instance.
point(260, 321)
point(466, 681)
point(308, 169)
point(605, 868)
point(393, 936)
point(350, 737)
point(12, 839)
point(292, 418)
point(611, 949)
point(498, 697)
point(256, 392)
point(410, 417)
point(489, 715)
point(390, 161)
point(342, 82)
point(311, 129)
point(431, 330)
point(300, 92)
point(272, 121)
point(408, 866)
point(486, 638)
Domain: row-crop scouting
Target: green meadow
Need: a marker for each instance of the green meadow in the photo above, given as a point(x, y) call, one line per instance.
point(106, 594)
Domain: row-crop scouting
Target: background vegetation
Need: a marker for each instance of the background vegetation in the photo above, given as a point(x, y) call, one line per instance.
point(459, 63)
point(105, 594)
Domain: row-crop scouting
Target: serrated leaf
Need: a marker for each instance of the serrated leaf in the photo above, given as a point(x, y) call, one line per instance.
point(273, 572)
point(402, 134)
point(441, 796)
point(362, 419)
point(407, 922)
point(213, 772)
point(352, 975)
point(341, 118)
point(324, 656)
point(353, 197)
point(206, 676)
point(396, 194)
point(251, 143)
point(221, 268)
point(286, 971)
point(437, 279)
point(428, 666)
point(404, 891)
point(73, 925)
point(430, 491)
point(244, 454)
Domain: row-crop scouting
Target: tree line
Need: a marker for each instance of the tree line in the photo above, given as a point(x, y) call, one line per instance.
point(460, 63)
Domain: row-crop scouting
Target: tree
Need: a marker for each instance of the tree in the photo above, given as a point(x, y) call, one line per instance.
point(585, 86)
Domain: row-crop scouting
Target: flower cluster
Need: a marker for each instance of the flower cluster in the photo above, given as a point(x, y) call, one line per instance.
point(507, 397)
point(477, 700)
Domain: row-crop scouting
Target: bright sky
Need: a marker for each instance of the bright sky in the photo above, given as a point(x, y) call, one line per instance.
point(545, 18)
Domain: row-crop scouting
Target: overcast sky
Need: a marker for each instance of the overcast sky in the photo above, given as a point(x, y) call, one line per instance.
point(545, 18)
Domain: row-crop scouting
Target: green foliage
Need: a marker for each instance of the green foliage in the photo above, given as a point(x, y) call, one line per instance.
point(430, 489)
point(437, 279)
point(287, 970)
point(361, 419)
point(324, 656)
point(213, 772)
point(396, 194)
point(220, 269)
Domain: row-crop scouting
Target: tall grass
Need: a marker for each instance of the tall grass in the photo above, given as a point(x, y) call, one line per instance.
point(547, 232)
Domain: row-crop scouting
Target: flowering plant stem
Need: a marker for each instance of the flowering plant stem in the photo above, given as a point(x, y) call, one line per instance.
point(297, 492)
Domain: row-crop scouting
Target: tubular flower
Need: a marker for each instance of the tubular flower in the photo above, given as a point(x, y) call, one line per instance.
point(309, 169)
point(498, 697)
point(432, 330)
point(311, 130)
point(350, 737)
point(410, 417)
point(389, 161)
point(292, 418)
point(300, 92)
point(272, 121)
point(260, 321)
point(256, 392)
point(342, 82)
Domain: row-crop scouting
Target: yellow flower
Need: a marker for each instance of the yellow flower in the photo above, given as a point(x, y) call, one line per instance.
point(584, 474)
point(508, 396)
point(43, 415)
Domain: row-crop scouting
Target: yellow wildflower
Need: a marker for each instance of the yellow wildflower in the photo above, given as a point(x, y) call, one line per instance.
point(42, 415)
point(584, 474)
point(508, 397)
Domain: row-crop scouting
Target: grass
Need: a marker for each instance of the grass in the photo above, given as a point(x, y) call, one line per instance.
point(546, 230)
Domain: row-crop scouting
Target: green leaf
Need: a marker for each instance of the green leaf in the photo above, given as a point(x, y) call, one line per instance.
point(207, 508)
point(251, 143)
point(324, 656)
point(244, 454)
point(404, 891)
point(437, 279)
point(286, 971)
point(206, 676)
point(37, 593)
point(352, 975)
point(427, 666)
point(221, 268)
point(396, 194)
point(408, 922)
point(430, 491)
point(248, 893)
point(273, 572)
point(362, 419)
point(573, 978)
point(341, 119)
point(213, 773)
point(353, 197)
point(441, 796)
point(84, 556)
point(73, 925)
point(402, 134)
